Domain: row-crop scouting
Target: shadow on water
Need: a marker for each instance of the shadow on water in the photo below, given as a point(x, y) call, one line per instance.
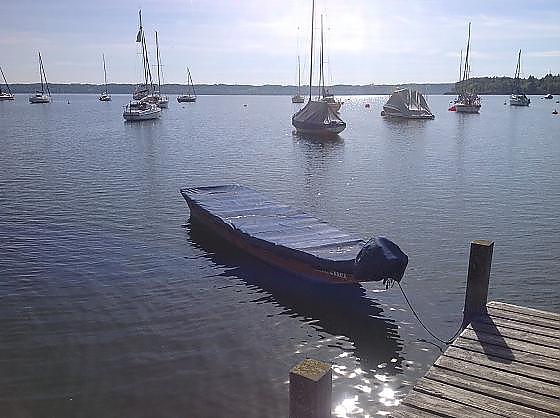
point(339, 310)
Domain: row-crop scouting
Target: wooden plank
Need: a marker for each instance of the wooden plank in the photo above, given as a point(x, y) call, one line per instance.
point(535, 329)
point(527, 319)
point(405, 411)
point(516, 334)
point(494, 389)
point(524, 310)
point(508, 378)
point(509, 355)
point(486, 403)
point(523, 369)
point(445, 407)
point(500, 340)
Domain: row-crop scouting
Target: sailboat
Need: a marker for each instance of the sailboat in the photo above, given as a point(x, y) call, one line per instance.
point(156, 97)
point(40, 96)
point(518, 98)
point(326, 95)
point(142, 90)
point(6, 95)
point(105, 96)
point(142, 109)
point(298, 98)
point(191, 94)
point(467, 101)
point(316, 117)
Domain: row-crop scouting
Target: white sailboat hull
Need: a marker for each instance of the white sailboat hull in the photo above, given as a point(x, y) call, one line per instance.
point(6, 96)
point(105, 97)
point(297, 99)
point(467, 108)
point(141, 111)
point(39, 98)
point(163, 102)
point(186, 99)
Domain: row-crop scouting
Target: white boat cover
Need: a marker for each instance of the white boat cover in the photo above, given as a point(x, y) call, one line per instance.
point(316, 115)
point(406, 103)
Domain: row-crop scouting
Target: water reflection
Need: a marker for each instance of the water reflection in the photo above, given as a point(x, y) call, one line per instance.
point(320, 166)
point(343, 312)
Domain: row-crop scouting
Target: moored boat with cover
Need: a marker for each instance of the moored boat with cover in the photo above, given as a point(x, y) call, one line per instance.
point(290, 239)
point(317, 117)
point(407, 104)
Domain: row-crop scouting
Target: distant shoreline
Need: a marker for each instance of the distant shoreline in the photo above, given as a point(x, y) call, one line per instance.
point(235, 89)
point(482, 85)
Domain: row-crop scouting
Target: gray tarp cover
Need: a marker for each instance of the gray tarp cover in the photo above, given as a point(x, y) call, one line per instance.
point(407, 103)
point(277, 226)
point(316, 114)
point(292, 233)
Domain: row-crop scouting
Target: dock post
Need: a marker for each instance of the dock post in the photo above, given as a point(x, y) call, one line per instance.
point(311, 390)
point(480, 261)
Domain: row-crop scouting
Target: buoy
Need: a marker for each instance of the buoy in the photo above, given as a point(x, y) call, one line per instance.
point(554, 112)
point(244, 105)
point(367, 105)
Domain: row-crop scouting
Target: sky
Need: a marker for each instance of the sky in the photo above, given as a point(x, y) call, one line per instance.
point(258, 41)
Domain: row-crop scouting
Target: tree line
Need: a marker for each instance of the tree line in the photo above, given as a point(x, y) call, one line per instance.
point(504, 85)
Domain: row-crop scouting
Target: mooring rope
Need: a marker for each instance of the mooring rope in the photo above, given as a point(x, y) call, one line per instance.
point(446, 342)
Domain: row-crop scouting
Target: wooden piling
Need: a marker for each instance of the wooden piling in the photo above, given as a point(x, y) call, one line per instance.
point(311, 390)
point(476, 297)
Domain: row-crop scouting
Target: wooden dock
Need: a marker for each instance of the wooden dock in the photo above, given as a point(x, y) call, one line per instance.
point(506, 363)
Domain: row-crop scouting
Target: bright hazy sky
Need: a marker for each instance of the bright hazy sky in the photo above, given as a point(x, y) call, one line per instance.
point(257, 41)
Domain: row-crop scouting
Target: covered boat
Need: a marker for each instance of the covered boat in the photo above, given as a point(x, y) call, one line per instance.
point(290, 239)
point(408, 104)
point(318, 118)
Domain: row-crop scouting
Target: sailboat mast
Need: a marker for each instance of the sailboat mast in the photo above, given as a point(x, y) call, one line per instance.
point(461, 66)
point(466, 70)
point(158, 64)
point(41, 73)
point(321, 66)
point(311, 55)
point(105, 73)
point(298, 76)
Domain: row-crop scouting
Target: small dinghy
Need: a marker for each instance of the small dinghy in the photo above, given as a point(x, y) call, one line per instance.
point(290, 239)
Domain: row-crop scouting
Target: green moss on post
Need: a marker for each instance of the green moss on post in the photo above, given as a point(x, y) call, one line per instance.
point(311, 390)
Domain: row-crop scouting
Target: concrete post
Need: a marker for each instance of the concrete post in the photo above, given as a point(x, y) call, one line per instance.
point(478, 277)
point(311, 390)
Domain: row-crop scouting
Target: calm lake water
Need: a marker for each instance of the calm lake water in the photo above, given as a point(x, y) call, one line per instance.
point(111, 305)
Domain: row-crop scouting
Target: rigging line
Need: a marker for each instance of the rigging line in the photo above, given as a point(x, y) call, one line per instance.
point(446, 342)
